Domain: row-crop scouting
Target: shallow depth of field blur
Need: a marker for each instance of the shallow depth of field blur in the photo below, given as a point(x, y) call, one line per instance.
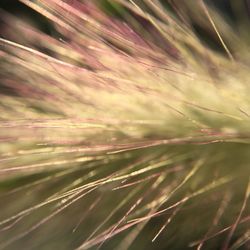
point(124, 124)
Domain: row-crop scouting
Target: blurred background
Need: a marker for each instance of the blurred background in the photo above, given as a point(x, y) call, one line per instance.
point(235, 12)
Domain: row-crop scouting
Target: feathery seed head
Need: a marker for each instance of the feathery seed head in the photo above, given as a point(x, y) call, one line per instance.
point(124, 125)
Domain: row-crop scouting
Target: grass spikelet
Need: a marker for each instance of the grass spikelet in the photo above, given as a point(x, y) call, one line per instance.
point(124, 125)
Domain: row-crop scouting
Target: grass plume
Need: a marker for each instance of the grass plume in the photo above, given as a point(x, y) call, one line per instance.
point(124, 125)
